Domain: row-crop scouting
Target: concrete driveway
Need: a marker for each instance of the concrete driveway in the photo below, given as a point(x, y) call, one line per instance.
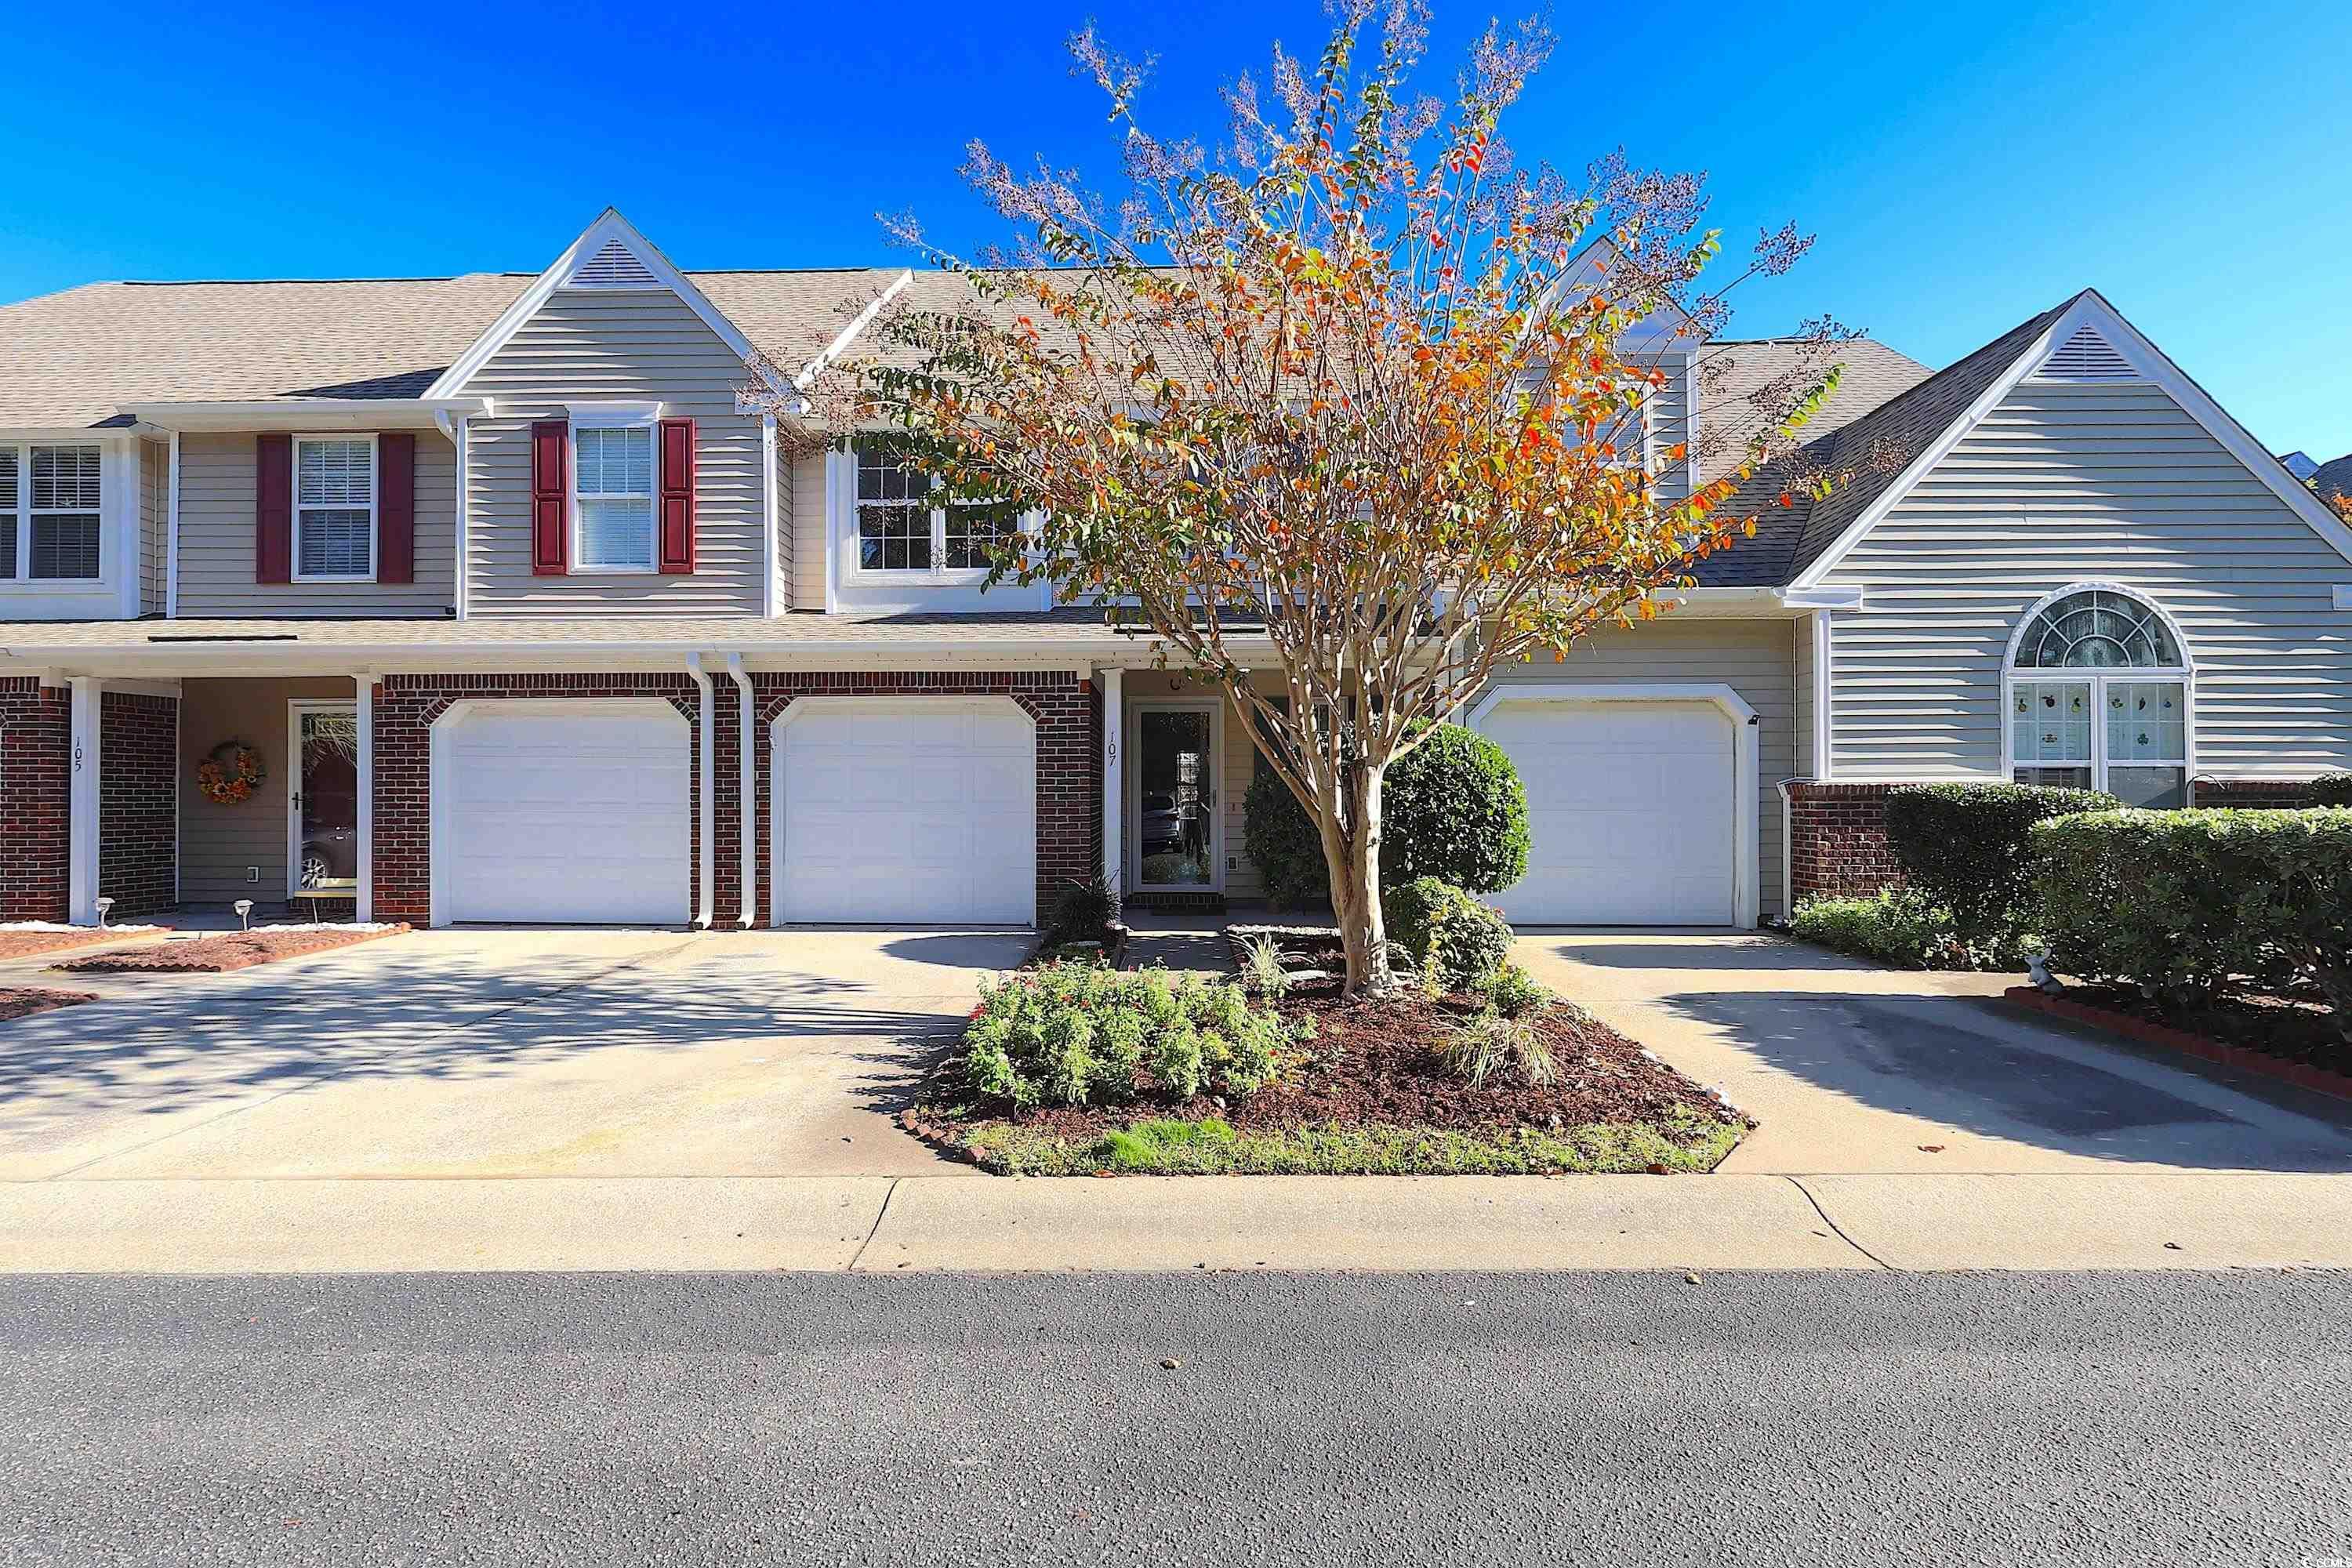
point(1852, 1067)
point(497, 1053)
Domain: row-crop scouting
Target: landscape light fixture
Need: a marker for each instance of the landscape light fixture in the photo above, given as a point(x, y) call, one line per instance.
point(103, 906)
point(244, 908)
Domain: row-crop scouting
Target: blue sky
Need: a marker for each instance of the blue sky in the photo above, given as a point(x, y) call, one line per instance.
point(1965, 166)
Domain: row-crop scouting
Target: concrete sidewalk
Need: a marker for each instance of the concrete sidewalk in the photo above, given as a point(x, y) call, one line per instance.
point(882, 1223)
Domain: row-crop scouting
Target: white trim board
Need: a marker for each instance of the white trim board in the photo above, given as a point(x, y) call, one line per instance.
point(609, 225)
point(2089, 309)
point(1747, 773)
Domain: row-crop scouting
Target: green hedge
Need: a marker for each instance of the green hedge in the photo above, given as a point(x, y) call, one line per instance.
point(2190, 905)
point(1966, 848)
point(1450, 808)
point(1898, 926)
point(2332, 789)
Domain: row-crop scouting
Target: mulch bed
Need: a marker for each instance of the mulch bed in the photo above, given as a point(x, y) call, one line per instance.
point(2272, 1036)
point(219, 954)
point(26, 943)
point(24, 1001)
point(1374, 1064)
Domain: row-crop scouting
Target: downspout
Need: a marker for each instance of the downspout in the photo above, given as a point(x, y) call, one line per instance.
point(457, 432)
point(746, 795)
point(709, 815)
point(172, 533)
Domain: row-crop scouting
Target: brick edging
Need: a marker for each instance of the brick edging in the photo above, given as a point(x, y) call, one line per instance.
point(2262, 1064)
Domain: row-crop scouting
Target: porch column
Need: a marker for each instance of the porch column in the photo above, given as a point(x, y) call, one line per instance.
point(1114, 845)
point(363, 830)
point(82, 805)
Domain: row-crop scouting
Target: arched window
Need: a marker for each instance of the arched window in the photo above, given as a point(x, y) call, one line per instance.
point(2097, 693)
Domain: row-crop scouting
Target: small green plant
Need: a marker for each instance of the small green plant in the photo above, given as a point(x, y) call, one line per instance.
point(1082, 1034)
point(1491, 1044)
point(1514, 992)
point(1083, 908)
point(1453, 941)
point(1262, 969)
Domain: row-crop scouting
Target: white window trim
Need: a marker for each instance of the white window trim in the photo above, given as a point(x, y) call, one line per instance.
point(110, 486)
point(614, 416)
point(375, 492)
point(937, 574)
point(2185, 672)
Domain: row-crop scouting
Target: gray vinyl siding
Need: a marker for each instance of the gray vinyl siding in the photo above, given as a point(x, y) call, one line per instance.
point(1753, 658)
point(154, 482)
point(586, 346)
point(1801, 683)
point(219, 842)
point(1669, 417)
point(216, 499)
point(2065, 483)
point(785, 543)
point(808, 531)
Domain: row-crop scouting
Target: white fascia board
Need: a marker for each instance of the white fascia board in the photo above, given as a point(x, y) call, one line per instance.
point(306, 413)
point(609, 225)
point(2256, 458)
point(1936, 451)
point(832, 351)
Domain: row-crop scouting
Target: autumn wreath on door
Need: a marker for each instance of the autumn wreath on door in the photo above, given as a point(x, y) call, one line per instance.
point(229, 773)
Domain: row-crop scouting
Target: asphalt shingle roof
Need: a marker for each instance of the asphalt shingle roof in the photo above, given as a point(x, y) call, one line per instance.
point(1866, 453)
point(2334, 479)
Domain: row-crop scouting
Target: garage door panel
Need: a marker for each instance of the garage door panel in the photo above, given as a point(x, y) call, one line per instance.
point(563, 817)
point(903, 811)
point(1632, 812)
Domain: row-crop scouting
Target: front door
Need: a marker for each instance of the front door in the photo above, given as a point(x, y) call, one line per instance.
point(323, 803)
point(1175, 842)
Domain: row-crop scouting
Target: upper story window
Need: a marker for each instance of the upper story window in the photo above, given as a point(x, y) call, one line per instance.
point(335, 509)
point(613, 479)
point(2097, 694)
point(900, 529)
point(49, 514)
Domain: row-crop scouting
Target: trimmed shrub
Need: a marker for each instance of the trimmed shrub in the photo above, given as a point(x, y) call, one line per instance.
point(1450, 808)
point(1967, 847)
point(1453, 808)
point(2332, 789)
point(1514, 992)
point(1079, 1034)
point(1899, 926)
point(1455, 941)
point(2188, 906)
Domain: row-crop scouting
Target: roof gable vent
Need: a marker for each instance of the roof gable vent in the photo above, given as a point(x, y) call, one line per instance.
point(614, 266)
point(2085, 356)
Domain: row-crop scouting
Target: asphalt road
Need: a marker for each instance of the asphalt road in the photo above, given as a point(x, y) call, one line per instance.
point(1402, 1419)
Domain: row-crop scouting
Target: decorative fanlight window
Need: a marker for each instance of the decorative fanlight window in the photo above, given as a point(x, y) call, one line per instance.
point(2096, 695)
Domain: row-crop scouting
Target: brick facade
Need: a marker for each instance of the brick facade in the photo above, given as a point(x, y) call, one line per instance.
point(406, 707)
point(2277, 793)
point(35, 760)
point(1067, 711)
point(138, 809)
point(1837, 840)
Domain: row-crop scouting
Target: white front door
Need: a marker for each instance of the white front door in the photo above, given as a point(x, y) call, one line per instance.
point(906, 811)
point(1632, 811)
point(1175, 839)
point(563, 813)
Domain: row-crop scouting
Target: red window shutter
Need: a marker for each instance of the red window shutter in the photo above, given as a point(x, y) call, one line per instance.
point(677, 496)
point(273, 509)
point(551, 490)
point(395, 507)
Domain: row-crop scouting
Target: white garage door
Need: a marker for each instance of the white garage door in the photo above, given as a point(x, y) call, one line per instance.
point(906, 811)
point(558, 812)
point(1632, 811)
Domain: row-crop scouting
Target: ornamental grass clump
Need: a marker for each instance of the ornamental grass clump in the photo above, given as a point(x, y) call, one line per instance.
point(1078, 1034)
point(1491, 1044)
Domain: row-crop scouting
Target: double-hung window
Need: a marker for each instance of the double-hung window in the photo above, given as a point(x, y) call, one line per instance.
point(613, 469)
point(902, 527)
point(50, 513)
point(2097, 694)
point(335, 509)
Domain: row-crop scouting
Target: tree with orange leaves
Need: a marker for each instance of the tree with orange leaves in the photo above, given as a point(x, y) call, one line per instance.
point(1351, 401)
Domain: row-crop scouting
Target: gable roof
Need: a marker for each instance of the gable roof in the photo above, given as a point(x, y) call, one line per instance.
point(2333, 478)
point(1874, 448)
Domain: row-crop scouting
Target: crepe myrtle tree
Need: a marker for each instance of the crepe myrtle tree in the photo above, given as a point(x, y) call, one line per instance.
point(1350, 401)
